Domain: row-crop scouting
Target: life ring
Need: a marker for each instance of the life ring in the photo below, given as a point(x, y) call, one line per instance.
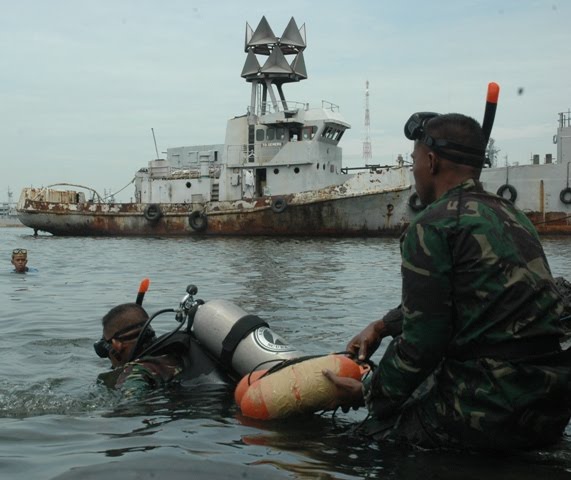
point(153, 212)
point(414, 203)
point(565, 196)
point(198, 221)
point(511, 189)
point(279, 204)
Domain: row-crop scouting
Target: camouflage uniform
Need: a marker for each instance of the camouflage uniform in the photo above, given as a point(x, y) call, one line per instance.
point(137, 377)
point(478, 363)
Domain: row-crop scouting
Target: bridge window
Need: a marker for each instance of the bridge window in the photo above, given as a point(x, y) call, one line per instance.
point(309, 132)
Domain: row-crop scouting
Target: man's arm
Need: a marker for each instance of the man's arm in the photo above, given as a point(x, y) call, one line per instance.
point(426, 327)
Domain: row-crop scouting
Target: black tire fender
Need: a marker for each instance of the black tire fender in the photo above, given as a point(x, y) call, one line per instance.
point(153, 212)
point(509, 188)
point(279, 204)
point(198, 221)
point(414, 203)
point(565, 196)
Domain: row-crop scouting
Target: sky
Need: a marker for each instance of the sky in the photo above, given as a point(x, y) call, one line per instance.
point(83, 82)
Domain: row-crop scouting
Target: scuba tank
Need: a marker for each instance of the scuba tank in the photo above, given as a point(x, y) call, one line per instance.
point(240, 341)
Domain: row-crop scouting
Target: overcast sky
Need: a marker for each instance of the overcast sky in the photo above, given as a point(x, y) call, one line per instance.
point(83, 82)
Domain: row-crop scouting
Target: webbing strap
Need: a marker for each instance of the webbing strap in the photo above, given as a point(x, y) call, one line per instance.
point(239, 330)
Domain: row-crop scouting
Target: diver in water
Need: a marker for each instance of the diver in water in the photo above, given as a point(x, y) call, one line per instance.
point(215, 343)
point(122, 342)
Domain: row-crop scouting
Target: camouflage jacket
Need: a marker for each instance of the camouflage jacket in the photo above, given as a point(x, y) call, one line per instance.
point(474, 276)
point(147, 372)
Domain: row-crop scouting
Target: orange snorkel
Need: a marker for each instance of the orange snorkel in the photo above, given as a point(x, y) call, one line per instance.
point(143, 287)
point(490, 112)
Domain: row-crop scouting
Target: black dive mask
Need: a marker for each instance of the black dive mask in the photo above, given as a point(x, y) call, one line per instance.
point(103, 347)
point(415, 129)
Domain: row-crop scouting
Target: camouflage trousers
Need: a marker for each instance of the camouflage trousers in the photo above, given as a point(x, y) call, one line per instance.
point(425, 422)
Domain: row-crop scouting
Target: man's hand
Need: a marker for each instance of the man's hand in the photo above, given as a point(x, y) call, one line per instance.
point(349, 392)
point(364, 344)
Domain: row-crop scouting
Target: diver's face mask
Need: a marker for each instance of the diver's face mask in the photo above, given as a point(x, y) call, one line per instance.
point(415, 125)
point(103, 347)
point(415, 129)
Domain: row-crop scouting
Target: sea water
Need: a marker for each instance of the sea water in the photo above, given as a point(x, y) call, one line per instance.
point(56, 421)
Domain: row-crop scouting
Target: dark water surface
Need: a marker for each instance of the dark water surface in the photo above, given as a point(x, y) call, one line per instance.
point(317, 293)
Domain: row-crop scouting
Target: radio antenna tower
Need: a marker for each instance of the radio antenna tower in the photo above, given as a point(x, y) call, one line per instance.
point(367, 149)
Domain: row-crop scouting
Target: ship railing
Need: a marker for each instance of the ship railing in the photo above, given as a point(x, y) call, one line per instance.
point(95, 198)
point(325, 105)
point(266, 108)
point(565, 119)
point(373, 168)
point(42, 191)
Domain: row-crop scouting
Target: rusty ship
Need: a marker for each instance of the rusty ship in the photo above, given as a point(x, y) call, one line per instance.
point(278, 172)
point(542, 187)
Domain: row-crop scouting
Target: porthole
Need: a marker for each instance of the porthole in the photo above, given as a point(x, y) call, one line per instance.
point(188, 184)
point(276, 171)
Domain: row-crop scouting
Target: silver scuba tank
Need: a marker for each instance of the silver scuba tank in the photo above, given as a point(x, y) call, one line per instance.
point(241, 341)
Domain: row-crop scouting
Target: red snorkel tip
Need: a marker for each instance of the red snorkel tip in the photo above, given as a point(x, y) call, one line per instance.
point(143, 287)
point(490, 111)
point(493, 92)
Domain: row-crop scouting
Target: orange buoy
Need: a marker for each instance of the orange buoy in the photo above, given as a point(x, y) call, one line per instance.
point(298, 388)
point(245, 383)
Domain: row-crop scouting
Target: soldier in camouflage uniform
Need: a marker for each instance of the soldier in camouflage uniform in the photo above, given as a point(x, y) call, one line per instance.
point(121, 329)
point(476, 359)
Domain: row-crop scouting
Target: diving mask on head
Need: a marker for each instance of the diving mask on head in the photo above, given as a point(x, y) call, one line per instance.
point(103, 347)
point(415, 129)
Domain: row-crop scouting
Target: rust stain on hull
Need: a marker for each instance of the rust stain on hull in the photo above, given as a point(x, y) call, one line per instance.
point(551, 223)
point(321, 217)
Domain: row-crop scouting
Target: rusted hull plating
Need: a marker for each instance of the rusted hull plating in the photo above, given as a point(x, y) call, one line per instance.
point(376, 214)
point(551, 223)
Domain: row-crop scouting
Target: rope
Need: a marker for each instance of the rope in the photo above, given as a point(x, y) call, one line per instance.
point(119, 191)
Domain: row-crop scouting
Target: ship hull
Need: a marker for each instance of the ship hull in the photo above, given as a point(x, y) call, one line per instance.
point(538, 190)
point(371, 214)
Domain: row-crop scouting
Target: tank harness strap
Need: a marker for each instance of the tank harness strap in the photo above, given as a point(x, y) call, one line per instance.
point(239, 330)
point(517, 349)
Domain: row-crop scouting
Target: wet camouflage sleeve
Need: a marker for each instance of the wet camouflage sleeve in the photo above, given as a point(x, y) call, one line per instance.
point(474, 272)
point(149, 372)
